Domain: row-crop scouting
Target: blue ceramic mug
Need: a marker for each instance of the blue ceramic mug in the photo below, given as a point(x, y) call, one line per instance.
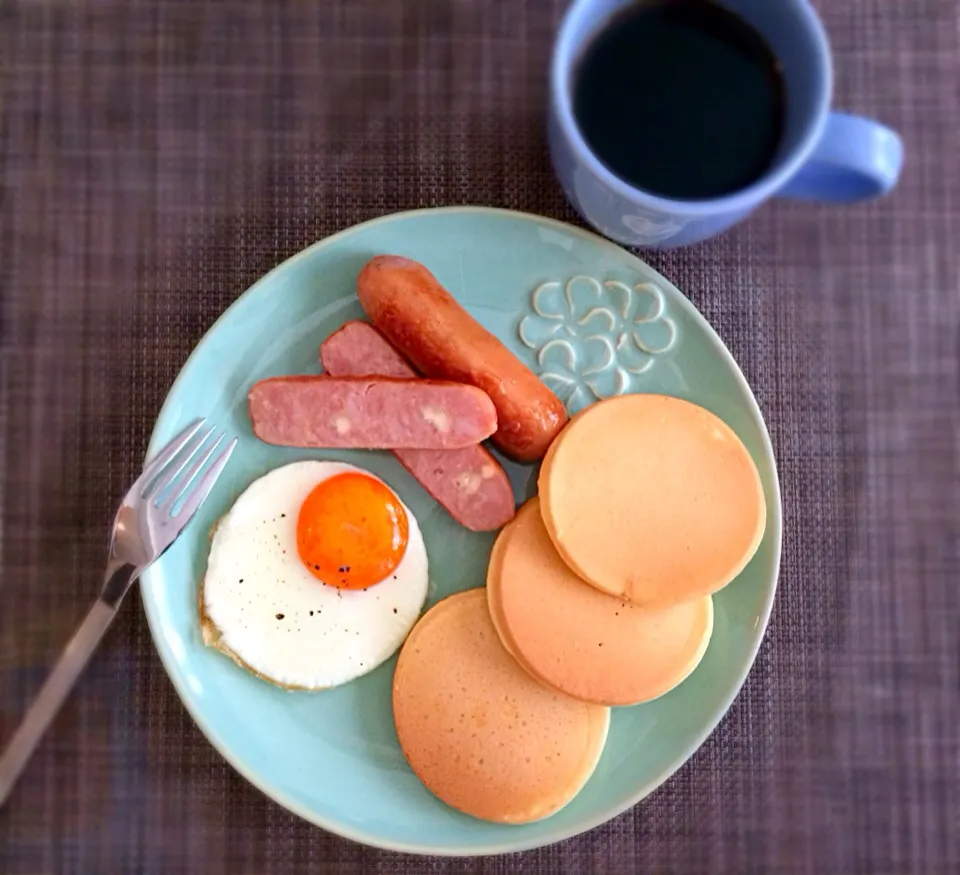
point(824, 156)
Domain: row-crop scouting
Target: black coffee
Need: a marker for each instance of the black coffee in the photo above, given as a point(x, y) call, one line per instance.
point(681, 98)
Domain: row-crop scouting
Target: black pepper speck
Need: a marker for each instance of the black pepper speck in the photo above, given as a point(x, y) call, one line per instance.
point(279, 616)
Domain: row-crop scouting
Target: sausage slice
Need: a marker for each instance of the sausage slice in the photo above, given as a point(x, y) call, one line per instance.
point(469, 483)
point(369, 413)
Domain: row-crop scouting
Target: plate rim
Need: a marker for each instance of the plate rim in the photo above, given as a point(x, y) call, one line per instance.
point(274, 793)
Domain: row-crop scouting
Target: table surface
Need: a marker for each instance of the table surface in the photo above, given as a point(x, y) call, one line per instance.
point(159, 157)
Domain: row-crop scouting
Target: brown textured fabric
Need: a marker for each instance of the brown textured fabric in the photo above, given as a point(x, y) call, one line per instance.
point(158, 157)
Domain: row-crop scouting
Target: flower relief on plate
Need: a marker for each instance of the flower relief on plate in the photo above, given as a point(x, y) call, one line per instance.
point(593, 339)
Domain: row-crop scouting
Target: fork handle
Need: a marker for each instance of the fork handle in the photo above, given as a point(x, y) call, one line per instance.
point(54, 691)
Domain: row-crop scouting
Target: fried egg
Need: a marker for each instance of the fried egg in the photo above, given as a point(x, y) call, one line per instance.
point(315, 576)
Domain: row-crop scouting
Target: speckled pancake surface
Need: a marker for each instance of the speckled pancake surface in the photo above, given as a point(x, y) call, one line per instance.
point(591, 645)
point(652, 498)
point(482, 734)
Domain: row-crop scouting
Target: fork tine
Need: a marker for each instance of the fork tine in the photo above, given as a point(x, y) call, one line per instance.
point(175, 467)
point(202, 489)
point(179, 482)
point(153, 468)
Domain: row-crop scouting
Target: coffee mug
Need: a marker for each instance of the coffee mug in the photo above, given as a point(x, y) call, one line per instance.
point(823, 155)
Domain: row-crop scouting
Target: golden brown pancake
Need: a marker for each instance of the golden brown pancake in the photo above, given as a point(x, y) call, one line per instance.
point(576, 639)
point(493, 605)
point(652, 498)
point(480, 733)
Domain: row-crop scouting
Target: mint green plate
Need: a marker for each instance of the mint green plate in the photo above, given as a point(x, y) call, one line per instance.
point(592, 320)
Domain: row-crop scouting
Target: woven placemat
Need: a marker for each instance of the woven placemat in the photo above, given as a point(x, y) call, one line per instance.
point(158, 157)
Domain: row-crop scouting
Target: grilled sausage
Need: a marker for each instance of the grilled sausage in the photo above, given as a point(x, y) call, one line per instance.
point(423, 320)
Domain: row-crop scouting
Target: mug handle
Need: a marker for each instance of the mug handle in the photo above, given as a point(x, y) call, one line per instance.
point(856, 159)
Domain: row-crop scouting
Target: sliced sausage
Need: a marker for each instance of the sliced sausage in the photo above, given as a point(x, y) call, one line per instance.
point(357, 349)
point(370, 413)
point(469, 483)
point(424, 321)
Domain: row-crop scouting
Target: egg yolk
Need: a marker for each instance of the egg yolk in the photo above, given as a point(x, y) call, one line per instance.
point(352, 531)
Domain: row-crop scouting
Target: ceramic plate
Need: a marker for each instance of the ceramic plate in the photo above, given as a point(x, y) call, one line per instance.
point(592, 320)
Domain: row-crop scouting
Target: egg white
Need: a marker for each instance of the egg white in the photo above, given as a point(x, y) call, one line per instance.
point(262, 607)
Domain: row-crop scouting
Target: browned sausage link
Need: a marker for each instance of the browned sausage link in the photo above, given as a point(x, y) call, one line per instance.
point(369, 413)
point(469, 483)
point(424, 321)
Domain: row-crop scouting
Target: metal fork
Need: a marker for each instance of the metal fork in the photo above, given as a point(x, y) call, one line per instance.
point(157, 508)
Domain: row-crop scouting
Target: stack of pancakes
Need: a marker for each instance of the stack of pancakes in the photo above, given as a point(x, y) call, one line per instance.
point(599, 594)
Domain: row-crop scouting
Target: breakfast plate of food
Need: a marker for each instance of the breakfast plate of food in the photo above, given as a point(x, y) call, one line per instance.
point(498, 543)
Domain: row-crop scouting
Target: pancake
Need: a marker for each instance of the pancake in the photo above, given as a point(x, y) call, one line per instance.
point(652, 498)
point(578, 640)
point(493, 605)
point(480, 733)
